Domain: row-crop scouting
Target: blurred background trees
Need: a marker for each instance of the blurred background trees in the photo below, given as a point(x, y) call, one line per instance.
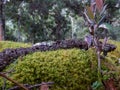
point(43, 20)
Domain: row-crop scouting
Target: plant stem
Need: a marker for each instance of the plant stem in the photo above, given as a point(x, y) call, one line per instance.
point(99, 61)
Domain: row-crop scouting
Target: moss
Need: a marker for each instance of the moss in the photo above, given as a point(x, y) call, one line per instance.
point(115, 53)
point(10, 44)
point(69, 69)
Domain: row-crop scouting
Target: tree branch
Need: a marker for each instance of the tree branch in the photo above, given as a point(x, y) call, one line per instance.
point(9, 55)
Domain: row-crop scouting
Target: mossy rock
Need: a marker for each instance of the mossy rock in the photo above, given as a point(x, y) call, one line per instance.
point(69, 69)
point(72, 69)
point(11, 44)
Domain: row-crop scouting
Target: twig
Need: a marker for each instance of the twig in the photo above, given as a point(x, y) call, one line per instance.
point(38, 85)
point(20, 85)
point(32, 86)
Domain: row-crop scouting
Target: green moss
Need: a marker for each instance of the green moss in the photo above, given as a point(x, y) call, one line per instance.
point(10, 44)
point(115, 53)
point(69, 69)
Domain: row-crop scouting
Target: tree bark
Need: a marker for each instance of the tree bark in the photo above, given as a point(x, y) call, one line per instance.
point(2, 21)
point(1, 32)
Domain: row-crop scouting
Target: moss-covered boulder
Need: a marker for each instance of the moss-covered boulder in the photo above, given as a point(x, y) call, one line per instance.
point(71, 69)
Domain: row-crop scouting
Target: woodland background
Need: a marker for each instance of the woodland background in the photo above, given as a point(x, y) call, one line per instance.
point(43, 20)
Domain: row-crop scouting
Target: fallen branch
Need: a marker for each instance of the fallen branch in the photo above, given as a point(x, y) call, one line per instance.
point(9, 55)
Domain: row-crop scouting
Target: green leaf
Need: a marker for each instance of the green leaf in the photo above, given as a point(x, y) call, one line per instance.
point(105, 26)
point(96, 85)
point(89, 12)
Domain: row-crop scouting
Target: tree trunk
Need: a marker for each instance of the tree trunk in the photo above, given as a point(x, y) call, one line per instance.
point(1, 37)
point(2, 21)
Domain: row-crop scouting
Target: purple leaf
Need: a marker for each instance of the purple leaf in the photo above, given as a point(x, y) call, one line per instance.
point(89, 40)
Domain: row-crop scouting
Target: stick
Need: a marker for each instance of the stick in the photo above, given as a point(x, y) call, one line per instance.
point(22, 86)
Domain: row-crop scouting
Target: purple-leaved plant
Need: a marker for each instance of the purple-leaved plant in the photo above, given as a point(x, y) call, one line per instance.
point(96, 14)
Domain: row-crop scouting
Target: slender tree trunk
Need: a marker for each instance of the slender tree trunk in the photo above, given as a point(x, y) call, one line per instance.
point(74, 36)
point(2, 21)
point(18, 32)
point(1, 38)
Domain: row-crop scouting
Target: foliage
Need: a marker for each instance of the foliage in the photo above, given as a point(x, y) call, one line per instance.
point(94, 14)
point(33, 20)
point(44, 20)
point(96, 85)
point(36, 21)
point(98, 19)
